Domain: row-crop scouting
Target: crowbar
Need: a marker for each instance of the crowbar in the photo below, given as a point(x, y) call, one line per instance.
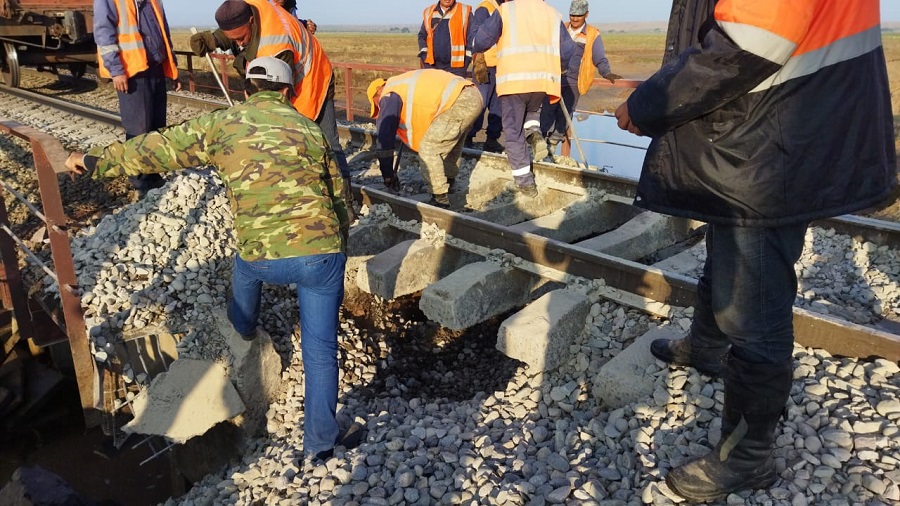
point(565, 111)
point(212, 67)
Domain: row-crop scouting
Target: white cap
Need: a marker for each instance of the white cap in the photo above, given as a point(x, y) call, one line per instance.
point(277, 71)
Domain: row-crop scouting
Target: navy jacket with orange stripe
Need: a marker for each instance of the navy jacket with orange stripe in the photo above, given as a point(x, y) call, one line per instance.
point(767, 113)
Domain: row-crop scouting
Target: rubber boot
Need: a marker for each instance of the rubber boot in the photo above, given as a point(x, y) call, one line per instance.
point(755, 397)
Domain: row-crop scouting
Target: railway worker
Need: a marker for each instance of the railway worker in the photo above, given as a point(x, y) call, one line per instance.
point(484, 72)
point(443, 37)
point(757, 134)
point(291, 7)
point(135, 50)
point(532, 46)
point(290, 225)
point(578, 77)
point(254, 28)
point(431, 111)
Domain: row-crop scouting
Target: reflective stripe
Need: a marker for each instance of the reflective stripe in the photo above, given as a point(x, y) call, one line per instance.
point(528, 49)
point(127, 46)
point(813, 61)
point(531, 124)
point(529, 76)
point(759, 41)
point(124, 27)
point(108, 49)
point(513, 34)
point(524, 171)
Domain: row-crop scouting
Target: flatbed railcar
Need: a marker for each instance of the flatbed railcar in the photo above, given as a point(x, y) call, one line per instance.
point(46, 34)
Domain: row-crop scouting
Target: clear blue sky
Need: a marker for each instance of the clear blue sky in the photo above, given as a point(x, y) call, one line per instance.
point(384, 12)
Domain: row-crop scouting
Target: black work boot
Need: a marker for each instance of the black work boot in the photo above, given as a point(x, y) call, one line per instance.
point(539, 149)
point(392, 184)
point(755, 397)
point(704, 355)
point(440, 200)
point(493, 145)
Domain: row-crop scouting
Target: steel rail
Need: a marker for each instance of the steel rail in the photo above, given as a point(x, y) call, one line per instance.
point(835, 335)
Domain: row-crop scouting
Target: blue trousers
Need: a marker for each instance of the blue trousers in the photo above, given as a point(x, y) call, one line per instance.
point(521, 112)
point(553, 120)
point(491, 101)
point(746, 293)
point(143, 110)
point(320, 291)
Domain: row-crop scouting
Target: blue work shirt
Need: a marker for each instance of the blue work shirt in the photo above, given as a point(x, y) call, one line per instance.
point(491, 29)
point(442, 43)
point(106, 21)
point(389, 108)
point(598, 56)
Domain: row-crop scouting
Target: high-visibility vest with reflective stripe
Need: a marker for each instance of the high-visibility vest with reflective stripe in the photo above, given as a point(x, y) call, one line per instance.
point(804, 36)
point(586, 70)
point(490, 56)
point(131, 45)
point(425, 93)
point(278, 32)
point(528, 49)
point(458, 20)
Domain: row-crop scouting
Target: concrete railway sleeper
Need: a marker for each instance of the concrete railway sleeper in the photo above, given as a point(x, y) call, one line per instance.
point(553, 268)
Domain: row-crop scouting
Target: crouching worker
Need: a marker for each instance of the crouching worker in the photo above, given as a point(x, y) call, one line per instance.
point(432, 111)
point(289, 220)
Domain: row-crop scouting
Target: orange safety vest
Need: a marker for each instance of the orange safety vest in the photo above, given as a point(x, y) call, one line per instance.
point(278, 32)
point(586, 71)
point(490, 56)
point(458, 18)
point(425, 93)
point(131, 45)
point(528, 56)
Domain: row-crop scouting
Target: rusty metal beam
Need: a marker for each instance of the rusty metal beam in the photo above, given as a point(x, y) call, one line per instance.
point(49, 158)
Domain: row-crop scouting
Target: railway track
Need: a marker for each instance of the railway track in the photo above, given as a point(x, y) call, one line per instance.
point(583, 225)
point(580, 252)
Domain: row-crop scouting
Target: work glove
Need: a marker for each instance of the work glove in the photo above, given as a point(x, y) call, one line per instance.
point(347, 197)
point(479, 69)
point(311, 26)
point(611, 77)
point(202, 43)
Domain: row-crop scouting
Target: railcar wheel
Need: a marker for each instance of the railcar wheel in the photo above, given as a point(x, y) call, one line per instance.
point(9, 65)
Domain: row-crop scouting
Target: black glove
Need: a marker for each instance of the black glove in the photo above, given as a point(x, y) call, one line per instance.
point(347, 197)
point(612, 77)
point(202, 43)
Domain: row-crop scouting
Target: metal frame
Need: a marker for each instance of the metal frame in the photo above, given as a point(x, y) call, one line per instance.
point(49, 158)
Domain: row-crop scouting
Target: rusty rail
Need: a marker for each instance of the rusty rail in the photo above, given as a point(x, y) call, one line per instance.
point(49, 157)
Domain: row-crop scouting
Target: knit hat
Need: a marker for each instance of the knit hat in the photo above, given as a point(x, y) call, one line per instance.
point(578, 8)
point(275, 70)
point(370, 92)
point(233, 14)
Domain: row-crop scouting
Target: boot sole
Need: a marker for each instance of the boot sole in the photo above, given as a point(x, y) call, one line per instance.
point(763, 482)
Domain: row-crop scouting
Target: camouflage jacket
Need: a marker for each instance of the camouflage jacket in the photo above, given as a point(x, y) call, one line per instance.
point(282, 181)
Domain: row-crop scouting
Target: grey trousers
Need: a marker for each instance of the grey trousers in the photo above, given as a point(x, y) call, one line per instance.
point(443, 141)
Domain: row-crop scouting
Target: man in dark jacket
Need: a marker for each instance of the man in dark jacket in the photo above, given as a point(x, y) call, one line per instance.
point(763, 119)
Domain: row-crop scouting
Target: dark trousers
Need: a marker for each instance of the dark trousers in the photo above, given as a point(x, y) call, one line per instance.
point(747, 291)
point(553, 120)
point(143, 110)
point(521, 112)
point(327, 121)
point(458, 71)
point(491, 101)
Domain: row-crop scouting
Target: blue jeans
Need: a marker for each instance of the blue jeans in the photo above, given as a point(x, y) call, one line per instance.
point(747, 291)
point(320, 290)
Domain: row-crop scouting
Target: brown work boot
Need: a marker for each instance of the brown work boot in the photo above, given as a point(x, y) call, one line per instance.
point(538, 146)
point(706, 358)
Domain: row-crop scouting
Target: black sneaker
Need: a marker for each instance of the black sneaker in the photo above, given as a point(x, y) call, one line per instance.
point(440, 200)
point(349, 439)
point(493, 145)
